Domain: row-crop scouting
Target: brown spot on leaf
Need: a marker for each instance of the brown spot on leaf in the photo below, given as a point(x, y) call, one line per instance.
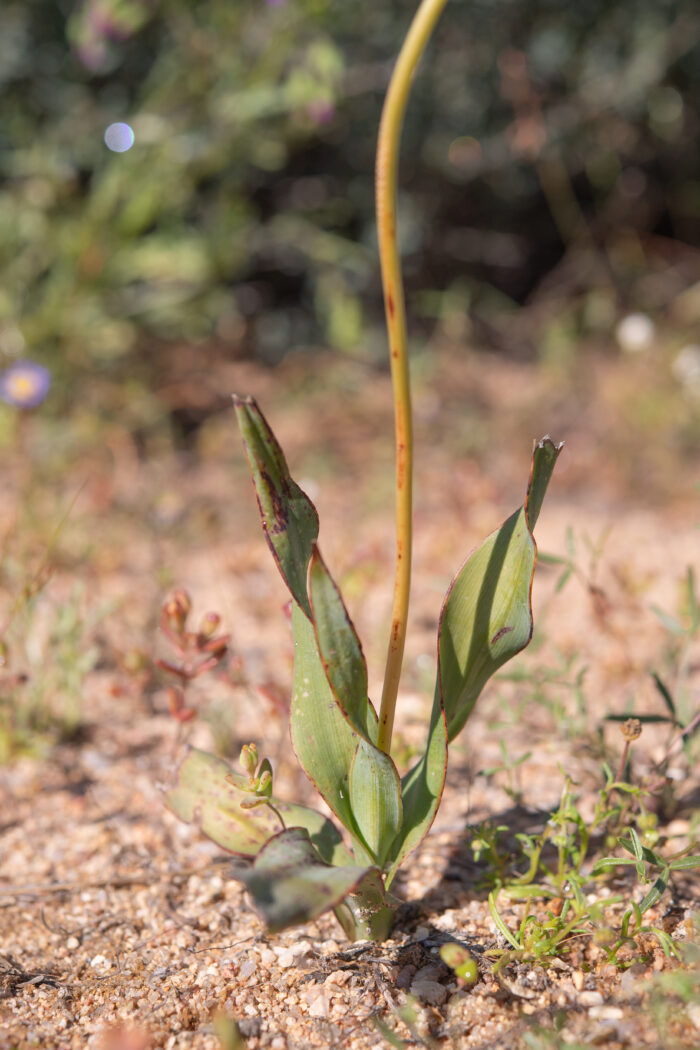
point(499, 634)
point(279, 510)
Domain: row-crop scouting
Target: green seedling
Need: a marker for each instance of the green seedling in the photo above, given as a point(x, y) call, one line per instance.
point(650, 867)
point(561, 875)
point(462, 962)
point(302, 866)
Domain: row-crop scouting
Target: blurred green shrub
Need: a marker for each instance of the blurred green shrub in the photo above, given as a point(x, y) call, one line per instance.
point(243, 214)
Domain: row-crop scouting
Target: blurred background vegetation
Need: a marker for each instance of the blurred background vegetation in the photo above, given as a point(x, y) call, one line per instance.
point(550, 227)
point(550, 186)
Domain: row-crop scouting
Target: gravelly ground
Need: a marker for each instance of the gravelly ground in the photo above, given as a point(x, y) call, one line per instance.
point(119, 927)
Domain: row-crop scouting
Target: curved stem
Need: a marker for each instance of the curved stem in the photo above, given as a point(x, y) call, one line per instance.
point(386, 176)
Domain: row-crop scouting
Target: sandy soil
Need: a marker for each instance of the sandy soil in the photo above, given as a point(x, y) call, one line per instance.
point(119, 926)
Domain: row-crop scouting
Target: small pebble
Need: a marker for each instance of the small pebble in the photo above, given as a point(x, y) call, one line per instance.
point(405, 976)
point(318, 1007)
point(606, 1013)
point(285, 958)
point(632, 976)
point(429, 973)
point(337, 978)
point(590, 999)
point(429, 992)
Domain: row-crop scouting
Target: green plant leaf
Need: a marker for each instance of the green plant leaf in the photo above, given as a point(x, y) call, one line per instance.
point(331, 715)
point(322, 737)
point(289, 518)
point(421, 790)
point(656, 892)
point(208, 794)
point(487, 615)
point(495, 582)
point(685, 863)
point(500, 924)
point(375, 797)
point(644, 719)
point(340, 649)
point(665, 696)
point(290, 884)
point(327, 743)
point(611, 862)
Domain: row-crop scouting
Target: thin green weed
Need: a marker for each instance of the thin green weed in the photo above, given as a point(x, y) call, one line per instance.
point(563, 882)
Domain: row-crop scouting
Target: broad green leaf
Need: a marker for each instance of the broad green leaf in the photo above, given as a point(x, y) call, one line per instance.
point(339, 648)
point(487, 615)
point(326, 745)
point(421, 790)
point(331, 714)
point(208, 794)
point(465, 624)
point(330, 711)
point(375, 798)
point(323, 739)
point(289, 518)
point(290, 884)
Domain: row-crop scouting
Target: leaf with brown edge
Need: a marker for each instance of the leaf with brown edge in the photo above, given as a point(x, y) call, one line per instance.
point(487, 615)
point(289, 518)
point(339, 648)
point(486, 619)
point(290, 884)
point(207, 793)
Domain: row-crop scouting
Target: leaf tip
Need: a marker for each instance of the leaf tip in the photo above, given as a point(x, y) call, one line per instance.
point(557, 446)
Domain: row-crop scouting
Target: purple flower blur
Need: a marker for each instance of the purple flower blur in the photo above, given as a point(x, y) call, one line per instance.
point(25, 384)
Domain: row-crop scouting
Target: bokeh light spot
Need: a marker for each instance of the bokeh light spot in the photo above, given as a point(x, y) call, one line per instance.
point(119, 137)
point(465, 153)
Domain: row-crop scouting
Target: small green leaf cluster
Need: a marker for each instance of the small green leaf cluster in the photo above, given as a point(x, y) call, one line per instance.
point(561, 873)
point(650, 866)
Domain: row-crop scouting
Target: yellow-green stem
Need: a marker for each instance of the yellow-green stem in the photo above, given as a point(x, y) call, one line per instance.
point(386, 174)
